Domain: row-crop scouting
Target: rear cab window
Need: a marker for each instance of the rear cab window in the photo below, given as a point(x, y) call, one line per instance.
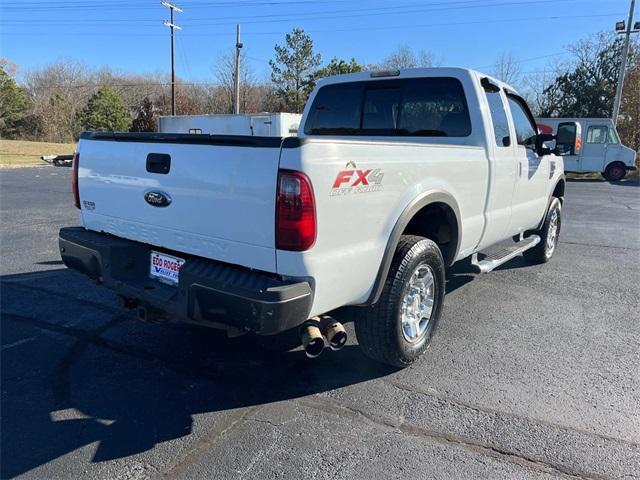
point(411, 107)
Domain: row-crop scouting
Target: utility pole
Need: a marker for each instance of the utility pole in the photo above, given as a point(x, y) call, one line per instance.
point(627, 30)
point(172, 26)
point(236, 78)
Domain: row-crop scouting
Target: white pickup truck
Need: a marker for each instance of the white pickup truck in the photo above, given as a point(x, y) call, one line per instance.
point(393, 177)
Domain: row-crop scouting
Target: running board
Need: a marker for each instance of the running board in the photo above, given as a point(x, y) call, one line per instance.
point(497, 258)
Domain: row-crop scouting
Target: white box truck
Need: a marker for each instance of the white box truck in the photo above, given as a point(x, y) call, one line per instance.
point(255, 125)
point(601, 152)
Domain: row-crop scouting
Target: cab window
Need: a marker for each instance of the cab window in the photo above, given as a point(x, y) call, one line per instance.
point(597, 134)
point(525, 129)
point(417, 107)
point(613, 137)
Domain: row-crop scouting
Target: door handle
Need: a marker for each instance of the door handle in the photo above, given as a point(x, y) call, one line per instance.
point(519, 169)
point(158, 163)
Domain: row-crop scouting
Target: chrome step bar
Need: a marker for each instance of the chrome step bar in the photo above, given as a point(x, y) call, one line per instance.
point(496, 259)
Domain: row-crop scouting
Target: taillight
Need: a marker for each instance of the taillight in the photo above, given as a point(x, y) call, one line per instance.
point(295, 212)
point(74, 180)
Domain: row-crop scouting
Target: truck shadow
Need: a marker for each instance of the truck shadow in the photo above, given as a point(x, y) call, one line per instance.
point(78, 370)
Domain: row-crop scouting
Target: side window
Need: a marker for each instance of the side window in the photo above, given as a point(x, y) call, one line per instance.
point(335, 110)
point(613, 136)
point(597, 134)
point(498, 118)
point(525, 130)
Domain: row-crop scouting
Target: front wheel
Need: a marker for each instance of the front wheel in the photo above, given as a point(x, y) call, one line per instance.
point(614, 172)
point(399, 327)
point(549, 234)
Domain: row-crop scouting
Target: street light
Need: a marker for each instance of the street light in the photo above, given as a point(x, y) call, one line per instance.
point(620, 26)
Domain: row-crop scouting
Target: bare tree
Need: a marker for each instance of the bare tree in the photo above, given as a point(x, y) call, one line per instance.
point(507, 68)
point(60, 90)
point(405, 57)
point(225, 73)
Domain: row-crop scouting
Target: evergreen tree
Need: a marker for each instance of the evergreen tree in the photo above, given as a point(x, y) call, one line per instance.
point(292, 70)
point(14, 105)
point(105, 111)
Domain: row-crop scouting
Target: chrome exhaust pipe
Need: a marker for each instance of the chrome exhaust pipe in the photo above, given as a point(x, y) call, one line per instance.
point(334, 332)
point(311, 337)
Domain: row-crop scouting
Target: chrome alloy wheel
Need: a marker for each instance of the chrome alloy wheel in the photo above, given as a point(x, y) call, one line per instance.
point(418, 303)
point(552, 233)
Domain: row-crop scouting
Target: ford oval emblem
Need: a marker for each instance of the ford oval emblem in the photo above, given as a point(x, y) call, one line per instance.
point(157, 199)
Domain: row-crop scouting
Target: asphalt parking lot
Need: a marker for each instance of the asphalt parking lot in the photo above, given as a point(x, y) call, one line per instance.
point(535, 371)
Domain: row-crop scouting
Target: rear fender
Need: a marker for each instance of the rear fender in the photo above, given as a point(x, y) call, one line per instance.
point(407, 214)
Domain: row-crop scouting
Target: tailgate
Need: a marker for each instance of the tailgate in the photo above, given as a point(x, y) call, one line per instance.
point(217, 199)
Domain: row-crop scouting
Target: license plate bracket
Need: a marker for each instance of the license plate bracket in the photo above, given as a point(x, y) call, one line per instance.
point(165, 268)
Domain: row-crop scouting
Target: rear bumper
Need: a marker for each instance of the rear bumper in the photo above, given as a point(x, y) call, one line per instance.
point(209, 292)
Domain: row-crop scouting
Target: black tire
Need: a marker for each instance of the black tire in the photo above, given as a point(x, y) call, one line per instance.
point(379, 328)
point(614, 172)
point(543, 252)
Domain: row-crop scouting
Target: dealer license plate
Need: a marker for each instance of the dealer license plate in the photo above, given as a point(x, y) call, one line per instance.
point(165, 268)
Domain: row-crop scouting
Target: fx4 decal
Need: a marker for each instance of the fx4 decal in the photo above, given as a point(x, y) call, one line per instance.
point(357, 181)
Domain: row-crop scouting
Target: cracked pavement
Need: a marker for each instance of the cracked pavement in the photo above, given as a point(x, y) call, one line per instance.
point(534, 373)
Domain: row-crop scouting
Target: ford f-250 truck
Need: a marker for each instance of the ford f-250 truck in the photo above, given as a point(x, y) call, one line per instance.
point(393, 177)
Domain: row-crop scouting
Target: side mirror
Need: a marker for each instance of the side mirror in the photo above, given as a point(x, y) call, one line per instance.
point(568, 139)
point(541, 139)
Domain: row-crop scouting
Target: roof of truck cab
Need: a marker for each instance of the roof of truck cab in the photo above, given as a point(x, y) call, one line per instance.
point(456, 72)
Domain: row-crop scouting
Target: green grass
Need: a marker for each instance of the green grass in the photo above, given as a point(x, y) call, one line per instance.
point(20, 152)
point(14, 160)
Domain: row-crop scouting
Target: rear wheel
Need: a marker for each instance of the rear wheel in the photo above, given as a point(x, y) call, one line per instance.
point(549, 233)
point(399, 327)
point(615, 172)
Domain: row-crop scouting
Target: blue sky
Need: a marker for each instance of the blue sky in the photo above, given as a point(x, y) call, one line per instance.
point(129, 35)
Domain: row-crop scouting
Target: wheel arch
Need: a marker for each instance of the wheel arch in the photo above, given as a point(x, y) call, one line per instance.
point(613, 162)
point(557, 192)
point(414, 219)
point(558, 189)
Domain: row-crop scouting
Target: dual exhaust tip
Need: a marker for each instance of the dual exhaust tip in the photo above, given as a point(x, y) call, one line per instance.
point(315, 333)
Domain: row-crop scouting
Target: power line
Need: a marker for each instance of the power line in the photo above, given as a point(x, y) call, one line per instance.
point(530, 59)
point(462, 3)
point(376, 11)
point(334, 30)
